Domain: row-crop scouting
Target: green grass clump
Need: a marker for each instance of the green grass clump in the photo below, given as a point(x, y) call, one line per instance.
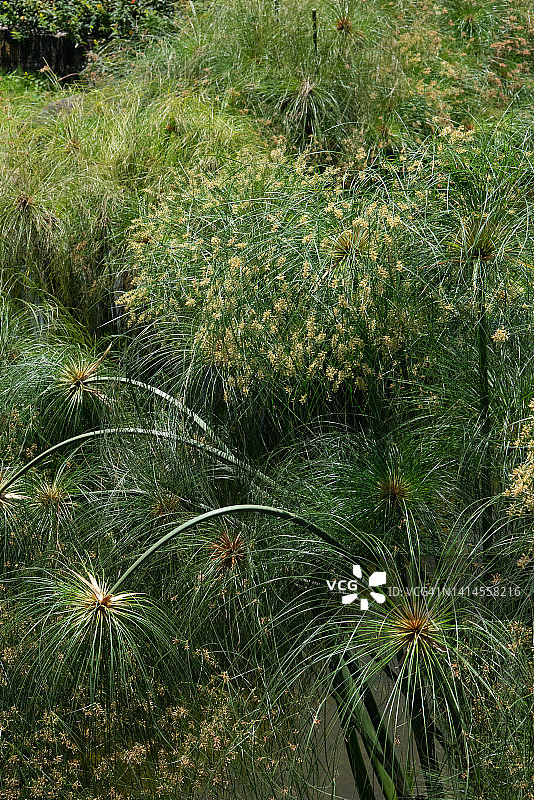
point(78, 168)
point(376, 73)
point(79, 164)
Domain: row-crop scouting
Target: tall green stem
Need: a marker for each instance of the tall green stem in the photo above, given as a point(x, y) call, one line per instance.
point(314, 31)
point(423, 729)
point(352, 745)
point(484, 404)
point(355, 719)
point(386, 744)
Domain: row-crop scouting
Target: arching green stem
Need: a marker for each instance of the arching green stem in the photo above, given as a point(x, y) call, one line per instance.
point(168, 397)
point(220, 512)
point(229, 456)
point(82, 437)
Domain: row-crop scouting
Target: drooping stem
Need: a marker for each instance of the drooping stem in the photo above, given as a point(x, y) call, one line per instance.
point(79, 439)
point(175, 401)
point(228, 458)
point(227, 510)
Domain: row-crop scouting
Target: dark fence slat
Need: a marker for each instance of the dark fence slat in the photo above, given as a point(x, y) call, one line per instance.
point(36, 50)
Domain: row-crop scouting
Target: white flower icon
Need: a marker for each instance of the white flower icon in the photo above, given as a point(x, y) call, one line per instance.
point(376, 579)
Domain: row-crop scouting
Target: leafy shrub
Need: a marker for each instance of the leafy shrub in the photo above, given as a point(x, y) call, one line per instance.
point(281, 278)
point(82, 20)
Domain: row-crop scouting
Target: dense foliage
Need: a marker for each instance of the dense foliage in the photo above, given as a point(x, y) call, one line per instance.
point(266, 325)
point(82, 20)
